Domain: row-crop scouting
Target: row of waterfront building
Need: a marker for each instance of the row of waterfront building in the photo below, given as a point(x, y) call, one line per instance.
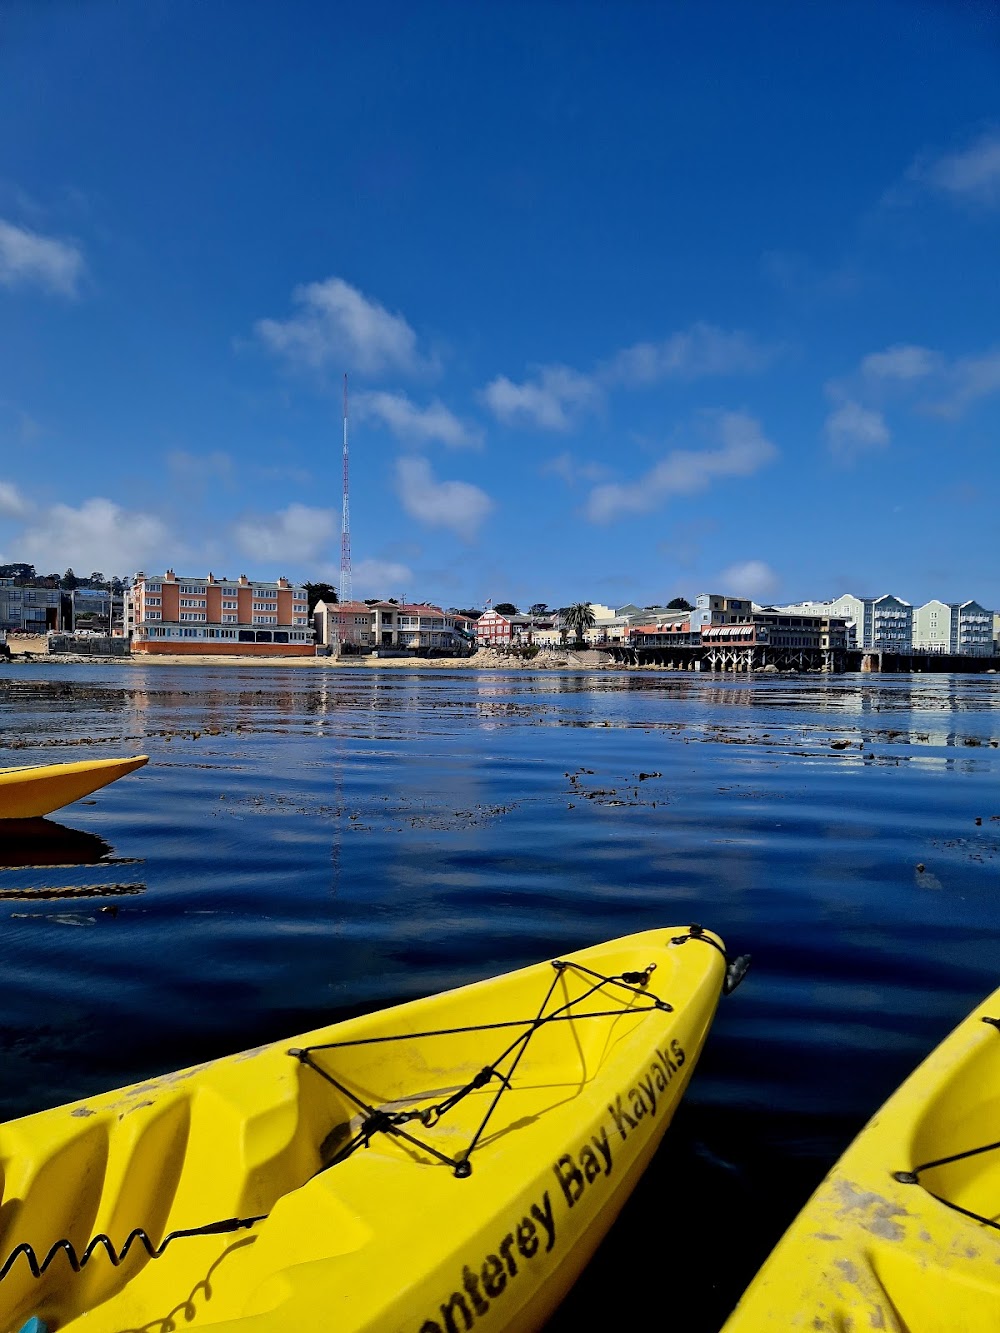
point(168, 613)
point(871, 624)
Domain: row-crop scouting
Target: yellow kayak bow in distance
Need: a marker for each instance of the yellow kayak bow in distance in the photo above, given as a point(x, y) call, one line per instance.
point(446, 1164)
point(27, 793)
point(903, 1235)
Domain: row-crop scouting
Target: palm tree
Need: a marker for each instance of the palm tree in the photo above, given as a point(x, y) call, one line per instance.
point(580, 616)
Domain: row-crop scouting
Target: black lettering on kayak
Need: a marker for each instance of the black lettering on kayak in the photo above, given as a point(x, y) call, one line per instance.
point(505, 1247)
point(678, 1051)
point(638, 1105)
point(604, 1148)
point(661, 1082)
point(545, 1218)
point(457, 1301)
point(669, 1068)
point(473, 1301)
point(646, 1086)
point(569, 1177)
point(621, 1117)
point(591, 1166)
point(493, 1277)
point(527, 1238)
point(471, 1284)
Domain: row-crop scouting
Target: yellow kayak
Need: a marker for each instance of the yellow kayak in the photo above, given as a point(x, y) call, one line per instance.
point(447, 1163)
point(27, 792)
point(903, 1235)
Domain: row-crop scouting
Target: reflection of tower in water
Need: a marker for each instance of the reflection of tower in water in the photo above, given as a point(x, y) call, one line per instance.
point(329, 721)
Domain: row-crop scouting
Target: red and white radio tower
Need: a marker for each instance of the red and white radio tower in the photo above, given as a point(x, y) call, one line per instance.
point(345, 526)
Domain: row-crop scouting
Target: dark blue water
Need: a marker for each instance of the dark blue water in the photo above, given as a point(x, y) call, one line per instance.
point(309, 842)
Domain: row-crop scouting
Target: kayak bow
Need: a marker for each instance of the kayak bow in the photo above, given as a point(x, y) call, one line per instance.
point(26, 793)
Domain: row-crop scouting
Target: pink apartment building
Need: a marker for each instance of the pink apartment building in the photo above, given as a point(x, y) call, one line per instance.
point(165, 613)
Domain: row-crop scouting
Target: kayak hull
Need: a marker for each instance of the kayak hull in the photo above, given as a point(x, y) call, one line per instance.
point(883, 1242)
point(27, 793)
point(411, 1232)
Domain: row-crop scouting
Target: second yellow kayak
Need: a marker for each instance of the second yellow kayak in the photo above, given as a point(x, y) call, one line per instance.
point(26, 793)
point(903, 1235)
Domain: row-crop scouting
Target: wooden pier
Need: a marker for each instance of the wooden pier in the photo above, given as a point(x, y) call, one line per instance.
point(826, 661)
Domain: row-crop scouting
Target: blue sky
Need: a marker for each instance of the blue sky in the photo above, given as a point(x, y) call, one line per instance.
point(636, 300)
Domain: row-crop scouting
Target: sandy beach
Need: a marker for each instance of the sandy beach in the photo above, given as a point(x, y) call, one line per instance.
point(31, 648)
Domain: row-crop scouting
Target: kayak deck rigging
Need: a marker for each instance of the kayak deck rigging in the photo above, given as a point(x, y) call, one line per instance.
point(912, 1177)
point(379, 1119)
point(391, 1122)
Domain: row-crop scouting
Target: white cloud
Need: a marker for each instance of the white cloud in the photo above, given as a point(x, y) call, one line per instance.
point(553, 399)
point(970, 378)
point(338, 326)
point(295, 535)
point(456, 505)
point(970, 174)
point(564, 465)
point(743, 450)
point(904, 361)
point(28, 258)
point(371, 577)
point(417, 425)
point(380, 578)
point(198, 470)
point(555, 396)
point(852, 429)
point(97, 535)
point(751, 578)
point(12, 502)
point(699, 351)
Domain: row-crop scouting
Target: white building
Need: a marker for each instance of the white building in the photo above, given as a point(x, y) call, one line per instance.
point(712, 608)
point(953, 627)
point(877, 623)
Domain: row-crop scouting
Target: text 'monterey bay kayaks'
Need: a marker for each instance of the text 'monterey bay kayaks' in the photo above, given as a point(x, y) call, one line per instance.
point(27, 793)
point(903, 1235)
point(447, 1164)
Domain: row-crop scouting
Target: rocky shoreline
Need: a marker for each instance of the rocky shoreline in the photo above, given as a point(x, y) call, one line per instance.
point(484, 659)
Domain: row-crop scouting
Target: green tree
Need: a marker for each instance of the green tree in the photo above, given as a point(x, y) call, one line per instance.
point(320, 592)
point(579, 617)
point(680, 604)
point(538, 609)
point(69, 580)
point(506, 608)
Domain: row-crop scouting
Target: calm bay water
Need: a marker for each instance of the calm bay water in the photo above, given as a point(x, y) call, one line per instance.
point(307, 843)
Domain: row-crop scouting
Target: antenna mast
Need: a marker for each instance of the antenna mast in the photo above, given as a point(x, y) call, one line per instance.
point(345, 526)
